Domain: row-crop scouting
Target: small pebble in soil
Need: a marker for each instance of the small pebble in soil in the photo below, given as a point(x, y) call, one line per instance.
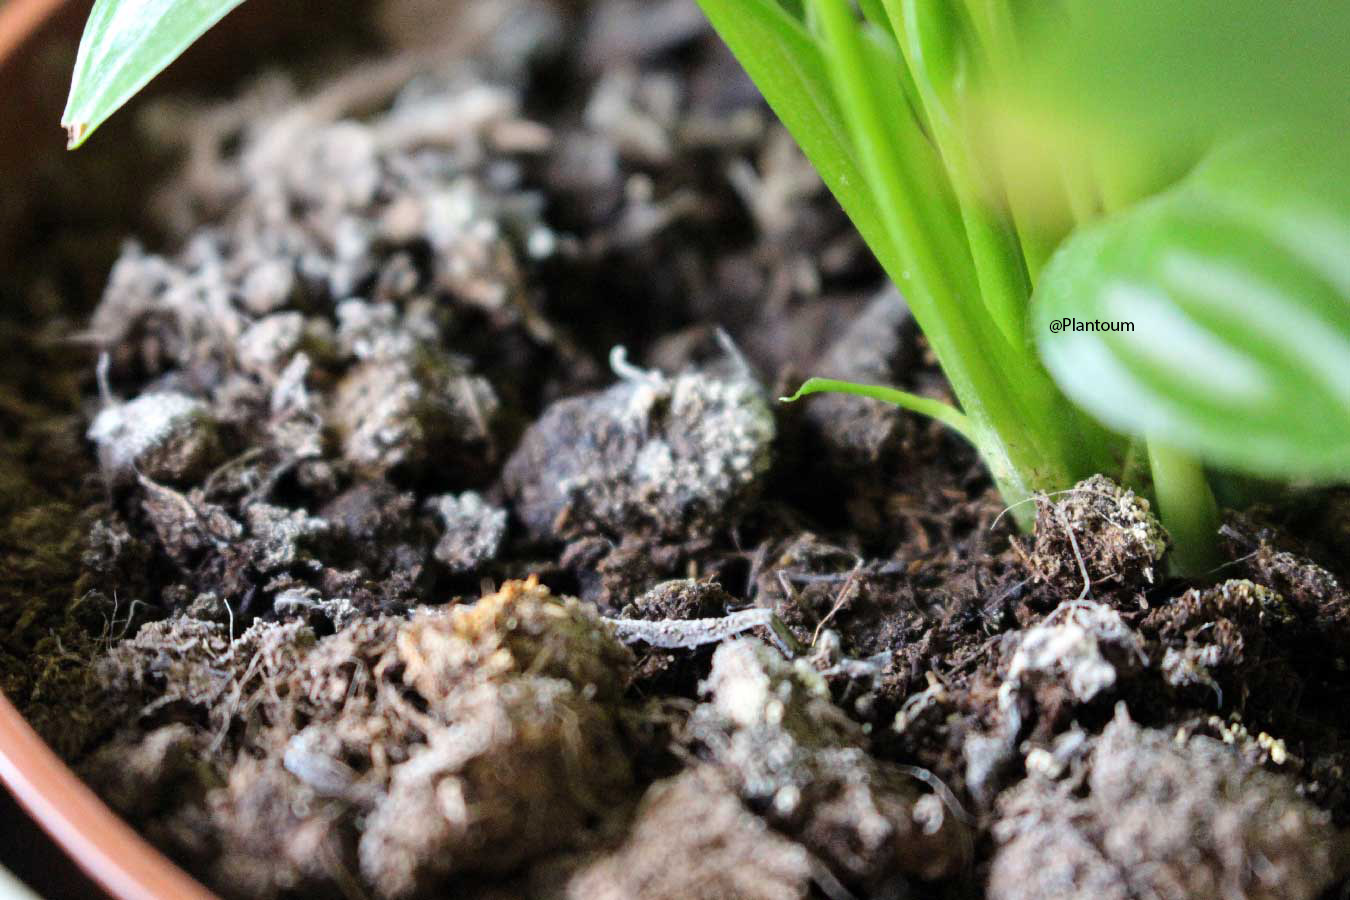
point(651, 455)
point(166, 436)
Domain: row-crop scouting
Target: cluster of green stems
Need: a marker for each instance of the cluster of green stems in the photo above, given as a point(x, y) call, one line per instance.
point(966, 247)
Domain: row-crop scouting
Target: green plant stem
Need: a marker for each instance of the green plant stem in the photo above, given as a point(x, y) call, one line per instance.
point(1186, 504)
point(1186, 507)
point(932, 50)
point(862, 114)
point(992, 22)
point(1023, 429)
point(945, 413)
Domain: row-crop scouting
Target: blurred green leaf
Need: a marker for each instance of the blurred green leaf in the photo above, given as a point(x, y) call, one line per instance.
point(1169, 74)
point(126, 43)
point(1237, 283)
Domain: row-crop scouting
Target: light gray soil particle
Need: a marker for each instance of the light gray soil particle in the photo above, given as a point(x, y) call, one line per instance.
point(283, 537)
point(268, 344)
point(472, 531)
point(404, 413)
point(771, 728)
point(1081, 644)
point(657, 455)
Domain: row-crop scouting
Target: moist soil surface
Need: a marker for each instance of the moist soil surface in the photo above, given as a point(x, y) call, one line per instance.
point(411, 515)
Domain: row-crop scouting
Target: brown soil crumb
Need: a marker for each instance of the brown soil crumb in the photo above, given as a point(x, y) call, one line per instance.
point(693, 839)
point(1097, 536)
point(1151, 813)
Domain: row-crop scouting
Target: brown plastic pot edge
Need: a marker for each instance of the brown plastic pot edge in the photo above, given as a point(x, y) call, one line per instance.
point(99, 842)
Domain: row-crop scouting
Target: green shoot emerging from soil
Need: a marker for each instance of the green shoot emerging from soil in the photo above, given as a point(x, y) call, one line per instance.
point(1025, 171)
point(903, 107)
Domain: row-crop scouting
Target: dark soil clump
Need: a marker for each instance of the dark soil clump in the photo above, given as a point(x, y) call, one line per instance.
point(425, 527)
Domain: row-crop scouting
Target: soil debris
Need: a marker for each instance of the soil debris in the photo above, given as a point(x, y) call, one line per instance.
point(1149, 813)
point(674, 672)
point(363, 352)
point(1096, 536)
point(165, 436)
point(411, 414)
point(651, 455)
point(792, 754)
point(1214, 635)
point(693, 839)
point(877, 347)
point(472, 531)
point(1082, 645)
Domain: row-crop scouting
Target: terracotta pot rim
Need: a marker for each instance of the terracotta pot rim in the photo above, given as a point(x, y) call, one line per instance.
point(95, 837)
point(103, 845)
point(19, 19)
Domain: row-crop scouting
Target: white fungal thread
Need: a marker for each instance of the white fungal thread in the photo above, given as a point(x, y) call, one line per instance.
point(672, 634)
point(685, 634)
point(618, 361)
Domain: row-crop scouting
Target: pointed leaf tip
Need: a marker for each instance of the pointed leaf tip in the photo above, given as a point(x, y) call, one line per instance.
point(125, 44)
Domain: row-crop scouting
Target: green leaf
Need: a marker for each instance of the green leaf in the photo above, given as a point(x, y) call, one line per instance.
point(1237, 284)
point(945, 413)
point(1138, 89)
point(1193, 67)
point(126, 43)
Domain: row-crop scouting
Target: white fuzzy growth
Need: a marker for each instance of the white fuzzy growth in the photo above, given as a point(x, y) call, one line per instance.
point(126, 432)
point(1068, 646)
point(752, 685)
